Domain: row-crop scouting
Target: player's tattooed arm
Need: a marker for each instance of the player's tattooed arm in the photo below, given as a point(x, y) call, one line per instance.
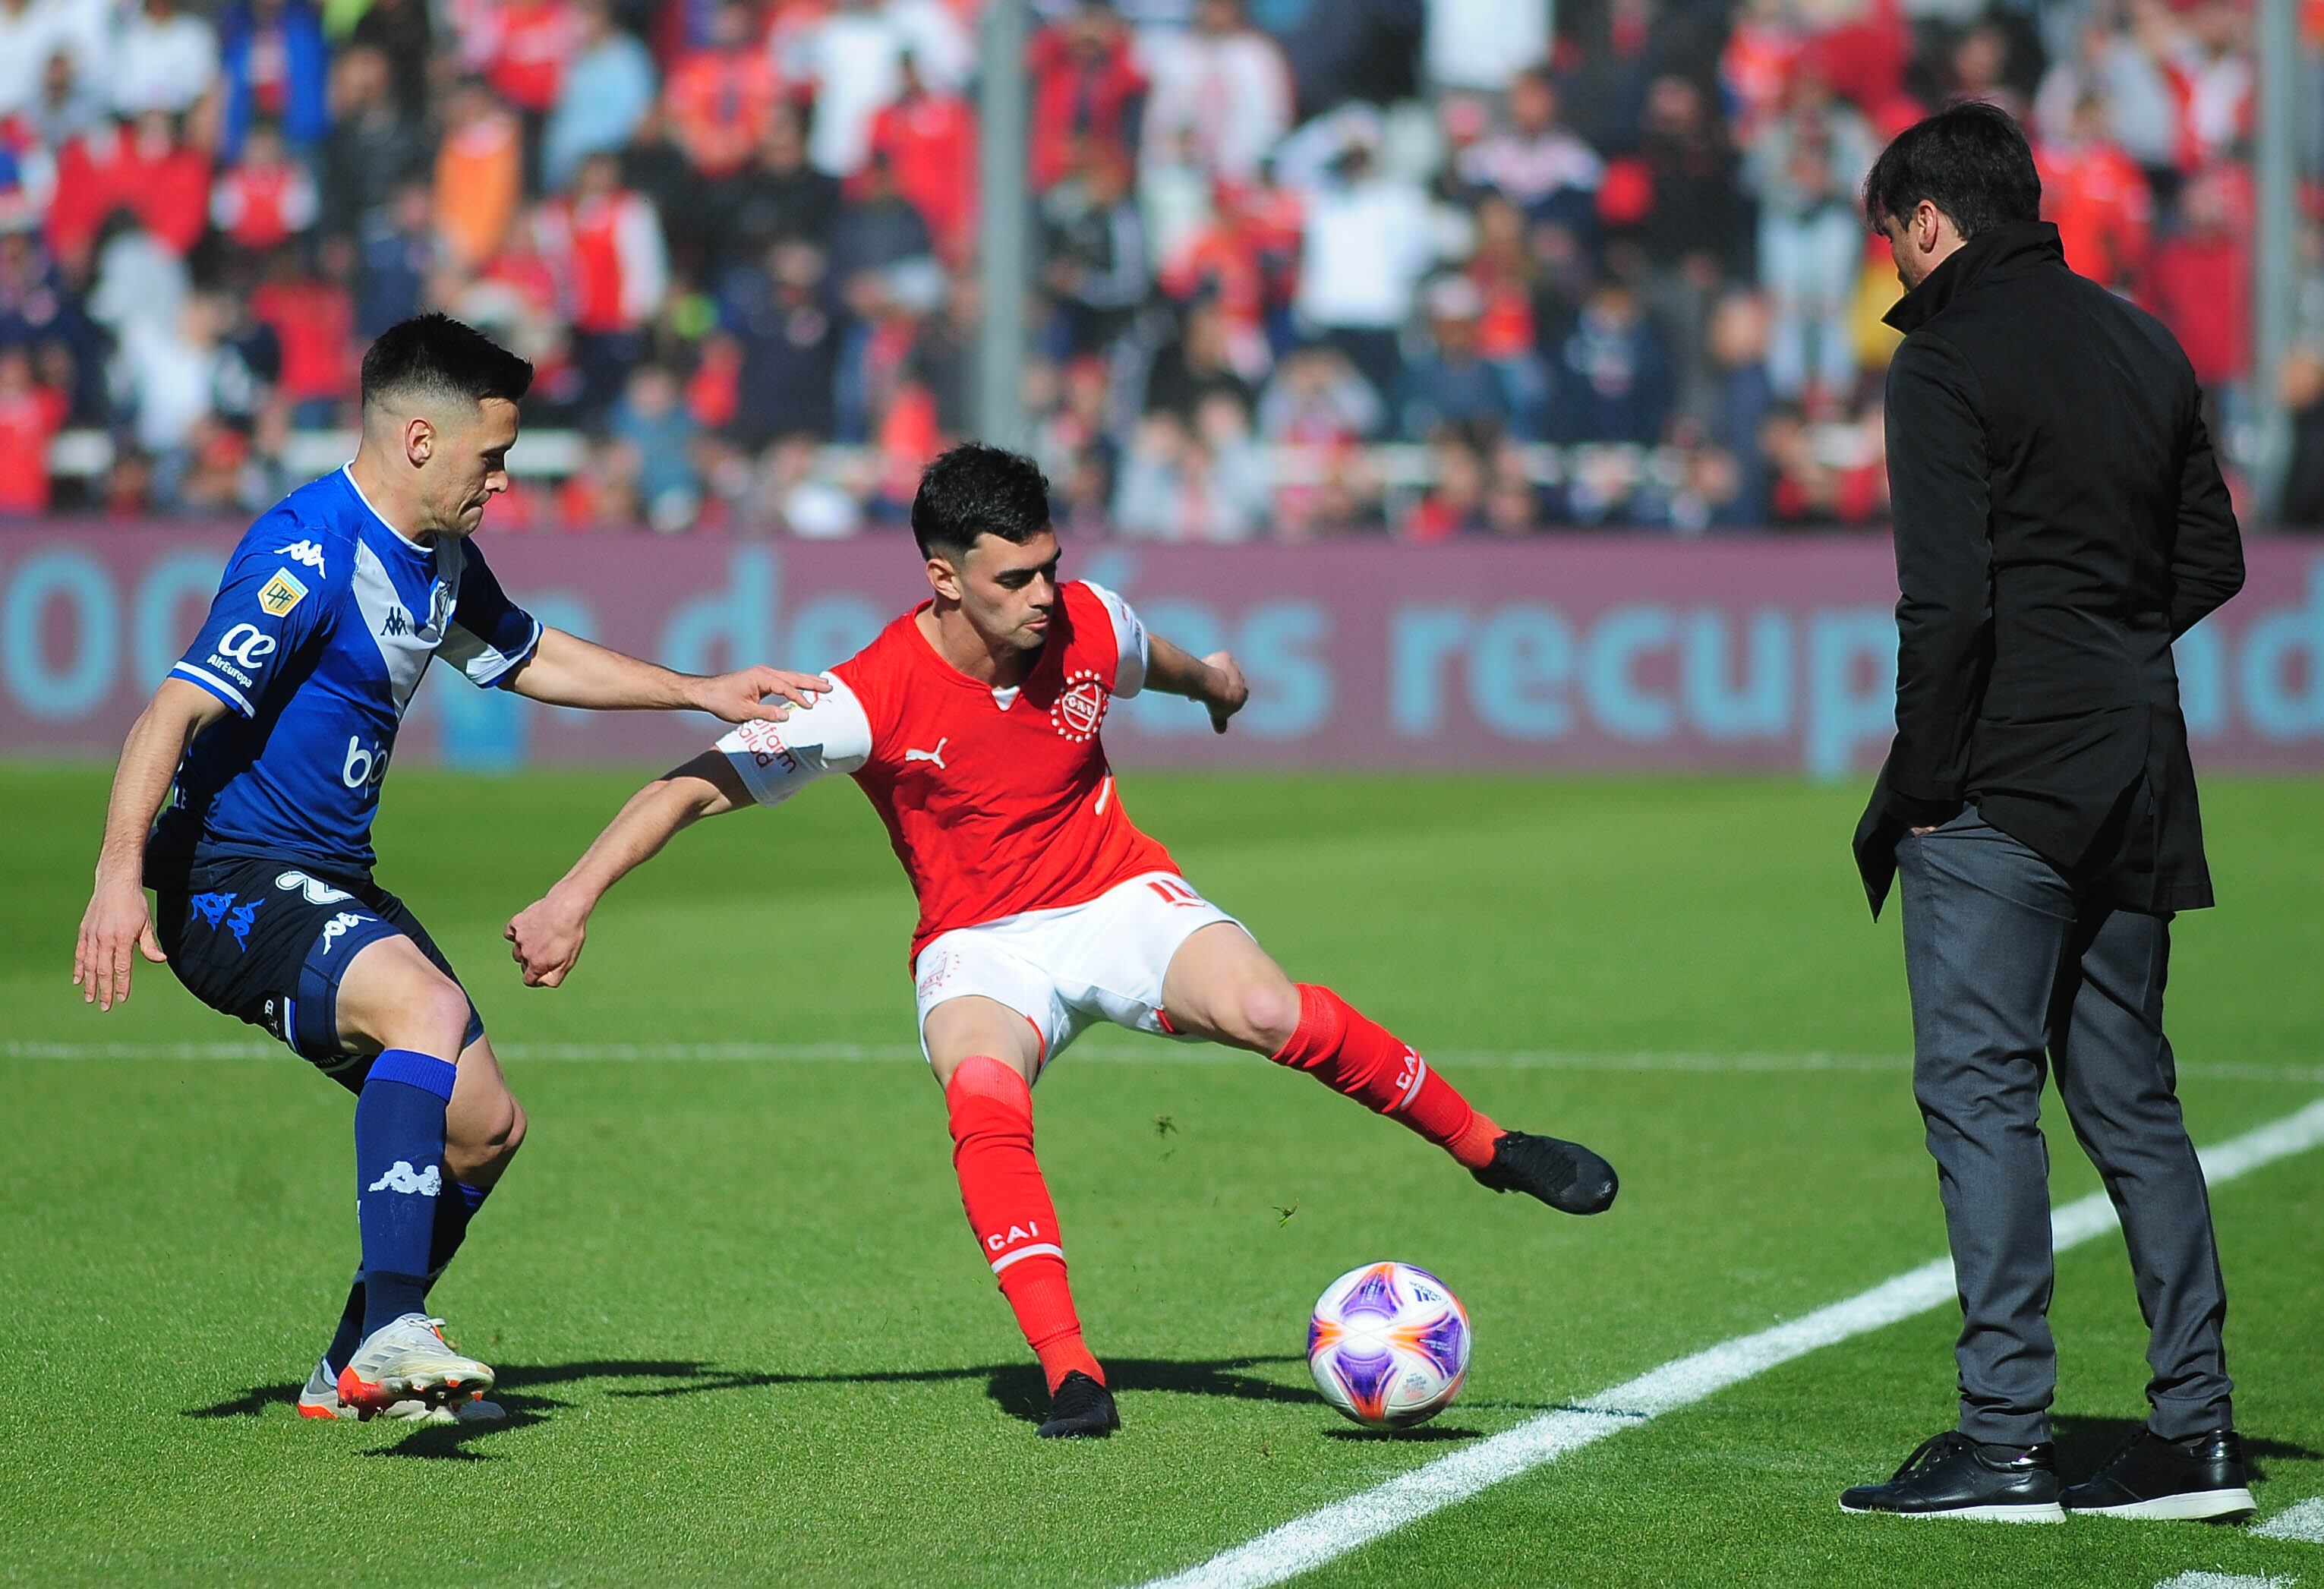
point(567, 670)
point(545, 937)
point(118, 918)
point(1215, 680)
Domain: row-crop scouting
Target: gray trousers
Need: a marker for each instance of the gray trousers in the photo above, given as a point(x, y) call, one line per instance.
point(2010, 970)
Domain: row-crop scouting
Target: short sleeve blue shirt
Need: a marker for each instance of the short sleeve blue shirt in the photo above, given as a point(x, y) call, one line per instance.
point(322, 625)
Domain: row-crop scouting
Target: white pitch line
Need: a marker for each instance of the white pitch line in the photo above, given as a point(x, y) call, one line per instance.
point(1325, 1535)
point(2224, 1580)
point(2304, 1522)
point(1643, 1061)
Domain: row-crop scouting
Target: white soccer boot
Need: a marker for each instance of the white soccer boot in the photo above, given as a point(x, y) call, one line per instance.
point(407, 1359)
point(320, 1398)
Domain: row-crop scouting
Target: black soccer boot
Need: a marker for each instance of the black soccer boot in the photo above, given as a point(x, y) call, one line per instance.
point(1953, 1477)
point(1082, 1410)
point(2199, 1477)
point(1566, 1176)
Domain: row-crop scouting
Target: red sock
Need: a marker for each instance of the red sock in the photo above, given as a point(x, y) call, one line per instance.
point(1008, 1203)
point(1354, 1054)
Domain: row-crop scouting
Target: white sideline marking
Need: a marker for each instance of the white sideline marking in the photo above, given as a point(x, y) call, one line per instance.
point(1308, 1542)
point(2224, 1580)
point(1101, 1051)
point(2303, 1522)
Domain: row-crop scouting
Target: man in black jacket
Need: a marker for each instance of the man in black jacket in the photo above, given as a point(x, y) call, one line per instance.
point(2059, 521)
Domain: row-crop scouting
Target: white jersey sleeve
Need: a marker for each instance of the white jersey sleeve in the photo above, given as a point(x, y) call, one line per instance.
point(775, 761)
point(1129, 639)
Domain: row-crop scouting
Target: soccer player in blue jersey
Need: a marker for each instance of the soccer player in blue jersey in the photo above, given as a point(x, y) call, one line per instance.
point(277, 728)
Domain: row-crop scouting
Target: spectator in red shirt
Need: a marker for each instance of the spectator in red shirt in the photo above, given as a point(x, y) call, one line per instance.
point(721, 99)
point(2202, 277)
point(90, 187)
point(266, 198)
point(606, 244)
point(526, 48)
point(314, 321)
point(2099, 199)
point(30, 415)
point(1087, 89)
point(167, 181)
point(929, 139)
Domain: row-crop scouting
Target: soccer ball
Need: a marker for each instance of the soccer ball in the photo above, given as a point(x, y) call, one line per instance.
point(1388, 1344)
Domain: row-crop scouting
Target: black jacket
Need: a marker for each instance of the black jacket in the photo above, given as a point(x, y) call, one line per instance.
point(2059, 521)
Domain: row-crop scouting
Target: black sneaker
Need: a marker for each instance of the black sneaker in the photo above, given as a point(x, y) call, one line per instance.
point(1082, 1410)
point(2202, 1476)
point(1953, 1477)
point(1566, 1176)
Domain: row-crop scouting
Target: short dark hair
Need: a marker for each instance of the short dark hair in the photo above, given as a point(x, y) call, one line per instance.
point(1970, 159)
point(976, 490)
point(435, 356)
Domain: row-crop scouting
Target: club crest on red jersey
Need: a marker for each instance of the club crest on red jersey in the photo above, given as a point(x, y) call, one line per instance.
point(1081, 707)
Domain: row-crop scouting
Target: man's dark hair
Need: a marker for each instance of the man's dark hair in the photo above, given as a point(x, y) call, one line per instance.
point(1970, 159)
point(976, 490)
point(435, 358)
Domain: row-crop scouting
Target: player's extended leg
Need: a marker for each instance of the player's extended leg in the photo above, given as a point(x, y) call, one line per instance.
point(483, 1126)
point(391, 998)
point(985, 1055)
point(1222, 986)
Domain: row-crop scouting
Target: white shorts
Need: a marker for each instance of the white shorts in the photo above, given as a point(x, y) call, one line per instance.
point(1067, 969)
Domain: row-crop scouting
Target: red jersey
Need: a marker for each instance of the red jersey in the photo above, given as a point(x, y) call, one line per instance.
point(996, 801)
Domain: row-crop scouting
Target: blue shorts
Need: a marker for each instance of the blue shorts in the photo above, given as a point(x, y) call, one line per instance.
point(267, 941)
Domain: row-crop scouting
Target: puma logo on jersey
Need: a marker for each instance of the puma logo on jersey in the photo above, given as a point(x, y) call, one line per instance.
point(401, 1176)
point(303, 551)
point(935, 755)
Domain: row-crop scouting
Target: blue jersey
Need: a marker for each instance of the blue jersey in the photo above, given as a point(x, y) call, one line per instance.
point(322, 625)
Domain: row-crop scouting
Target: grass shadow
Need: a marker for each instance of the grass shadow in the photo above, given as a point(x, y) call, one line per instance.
point(1425, 1434)
point(527, 1391)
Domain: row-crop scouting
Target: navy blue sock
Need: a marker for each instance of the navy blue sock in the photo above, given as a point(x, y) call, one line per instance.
point(349, 1335)
point(452, 1216)
point(399, 1177)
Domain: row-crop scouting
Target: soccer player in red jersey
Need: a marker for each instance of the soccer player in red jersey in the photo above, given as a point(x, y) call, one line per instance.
point(973, 723)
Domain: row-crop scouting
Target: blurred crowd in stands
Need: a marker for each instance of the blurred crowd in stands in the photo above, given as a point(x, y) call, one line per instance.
point(1426, 268)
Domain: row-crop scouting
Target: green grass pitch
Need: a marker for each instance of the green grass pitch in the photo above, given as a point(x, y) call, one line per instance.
point(744, 1332)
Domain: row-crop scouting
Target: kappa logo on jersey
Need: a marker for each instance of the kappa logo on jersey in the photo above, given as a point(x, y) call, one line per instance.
point(395, 624)
point(318, 893)
point(303, 551)
point(211, 908)
point(935, 755)
point(239, 922)
point(281, 594)
point(1081, 708)
point(400, 1177)
point(338, 925)
point(764, 741)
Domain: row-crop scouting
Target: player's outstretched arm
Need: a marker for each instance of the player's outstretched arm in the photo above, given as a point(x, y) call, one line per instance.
point(567, 670)
point(117, 916)
point(1215, 680)
point(545, 937)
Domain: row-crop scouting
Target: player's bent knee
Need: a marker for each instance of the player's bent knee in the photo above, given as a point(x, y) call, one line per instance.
point(1269, 1012)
